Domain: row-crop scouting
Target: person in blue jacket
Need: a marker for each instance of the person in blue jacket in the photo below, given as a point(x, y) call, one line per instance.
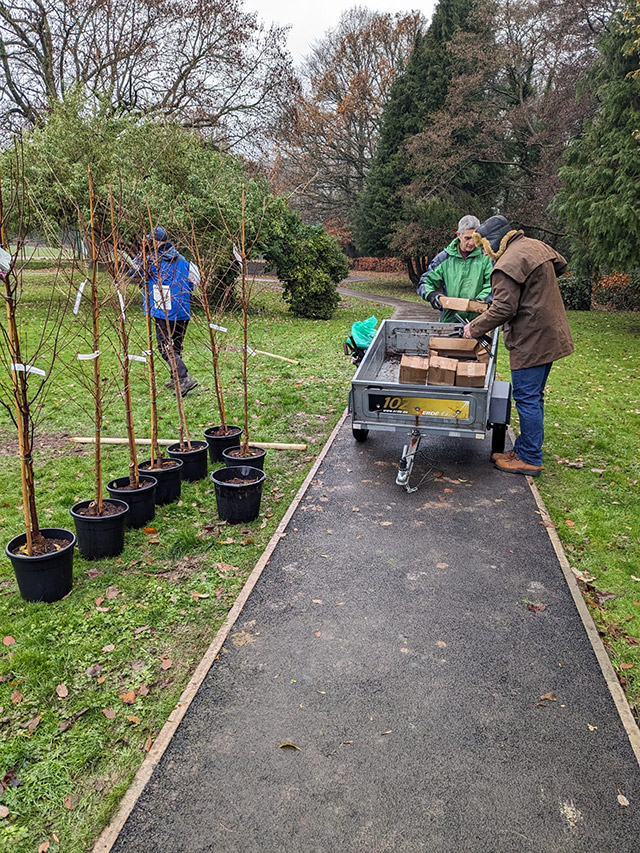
point(460, 270)
point(170, 281)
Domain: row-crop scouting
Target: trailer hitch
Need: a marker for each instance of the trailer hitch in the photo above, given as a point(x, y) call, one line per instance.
point(405, 465)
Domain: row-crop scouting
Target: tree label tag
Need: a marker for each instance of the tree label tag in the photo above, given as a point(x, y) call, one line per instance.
point(28, 368)
point(88, 356)
point(162, 297)
point(217, 328)
point(79, 296)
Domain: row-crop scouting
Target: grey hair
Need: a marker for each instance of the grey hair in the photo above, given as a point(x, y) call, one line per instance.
point(468, 222)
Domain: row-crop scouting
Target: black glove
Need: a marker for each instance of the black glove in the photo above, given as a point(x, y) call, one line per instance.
point(489, 298)
point(433, 299)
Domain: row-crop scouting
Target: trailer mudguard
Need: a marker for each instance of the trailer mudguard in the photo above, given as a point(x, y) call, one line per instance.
point(500, 405)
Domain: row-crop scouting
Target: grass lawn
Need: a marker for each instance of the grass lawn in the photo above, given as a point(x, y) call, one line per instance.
point(137, 625)
point(384, 284)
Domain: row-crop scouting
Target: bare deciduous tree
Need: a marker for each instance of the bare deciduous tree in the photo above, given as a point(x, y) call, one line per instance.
point(333, 133)
point(206, 63)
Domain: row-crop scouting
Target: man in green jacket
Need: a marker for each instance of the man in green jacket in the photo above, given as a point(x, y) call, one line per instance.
point(460, 270)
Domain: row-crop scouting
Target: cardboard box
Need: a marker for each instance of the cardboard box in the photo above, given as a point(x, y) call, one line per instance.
point(454, 303)
point(462, 348)
point(471, 374)
point(442, 371)
point(413, 370)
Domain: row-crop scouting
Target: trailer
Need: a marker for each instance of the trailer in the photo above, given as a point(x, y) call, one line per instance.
point(379, 402)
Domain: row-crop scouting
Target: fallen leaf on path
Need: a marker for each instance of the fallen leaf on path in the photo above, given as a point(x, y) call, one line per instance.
point(388, 732)
point(547, 697)
point(133, 719)
point(166, 663)
point(316, 600)
point(592, 728)
point(536, 607)
point(8, 641)
point(386, 523)
point(128, 698)
point(62, 690)
point(112, 592)
point(109, 713)
point(16, 696)
point(441, 644)
point(623, 800)
point(318, 633)
point(150, 531)
point(290, 746)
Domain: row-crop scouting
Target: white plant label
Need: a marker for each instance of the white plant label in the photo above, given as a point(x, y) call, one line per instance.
point(121, 299)
point(137, 358)
point(89, 356)
point(28, 368)
point(76, 306)
point(237, 255)
point(194, 274)
point(162, 297)
point(5, 261)
point(251, 351)
point(217, 328)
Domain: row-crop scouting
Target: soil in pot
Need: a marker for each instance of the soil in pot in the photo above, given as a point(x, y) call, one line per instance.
point(169, 479)
point(194, 461)
point(48, 576)
point(219, 440)
point(100, 536)
point(254, 458)
point(238, 493)
point(142, 501)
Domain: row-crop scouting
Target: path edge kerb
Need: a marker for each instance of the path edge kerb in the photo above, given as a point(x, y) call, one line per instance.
point(110, 833)
point(609, 673)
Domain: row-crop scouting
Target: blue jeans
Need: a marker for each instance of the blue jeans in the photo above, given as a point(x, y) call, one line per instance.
point(528, 394)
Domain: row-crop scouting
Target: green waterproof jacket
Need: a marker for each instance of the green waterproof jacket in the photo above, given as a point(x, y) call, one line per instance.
point(466, 278)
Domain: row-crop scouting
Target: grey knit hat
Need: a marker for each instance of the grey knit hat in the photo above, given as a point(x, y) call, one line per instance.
point(494, 229)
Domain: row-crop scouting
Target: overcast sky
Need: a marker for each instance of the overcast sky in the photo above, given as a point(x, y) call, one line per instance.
point(310, 21)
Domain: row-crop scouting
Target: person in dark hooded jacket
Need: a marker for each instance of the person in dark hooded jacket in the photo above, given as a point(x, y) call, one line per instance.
point(170, 280)
point(528, 305)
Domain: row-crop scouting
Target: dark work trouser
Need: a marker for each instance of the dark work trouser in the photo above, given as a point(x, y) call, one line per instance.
point(174, 334)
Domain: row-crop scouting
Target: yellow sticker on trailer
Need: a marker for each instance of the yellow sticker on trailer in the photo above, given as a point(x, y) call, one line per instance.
point(430, 407)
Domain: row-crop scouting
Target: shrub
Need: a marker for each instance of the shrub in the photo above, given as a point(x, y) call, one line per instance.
point(379, 265)
point(314, 296)
point(576, 292)
point(619, 291)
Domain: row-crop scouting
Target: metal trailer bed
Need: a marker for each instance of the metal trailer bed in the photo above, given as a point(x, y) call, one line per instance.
point(377, 400)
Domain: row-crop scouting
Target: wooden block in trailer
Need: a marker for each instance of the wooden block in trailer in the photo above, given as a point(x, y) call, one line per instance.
point(442, 371)
point(413, 370)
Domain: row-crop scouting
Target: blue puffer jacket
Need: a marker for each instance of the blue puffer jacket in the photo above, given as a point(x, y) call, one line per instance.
point(169, 288)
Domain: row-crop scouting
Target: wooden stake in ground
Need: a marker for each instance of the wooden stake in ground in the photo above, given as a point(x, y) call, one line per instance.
point(244, 292)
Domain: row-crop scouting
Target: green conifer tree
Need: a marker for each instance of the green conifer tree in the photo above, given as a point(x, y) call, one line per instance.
point(418, 92)
point(599, 198)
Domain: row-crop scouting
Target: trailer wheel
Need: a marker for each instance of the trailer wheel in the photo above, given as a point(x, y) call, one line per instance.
point(498, 436)
point(360, 434)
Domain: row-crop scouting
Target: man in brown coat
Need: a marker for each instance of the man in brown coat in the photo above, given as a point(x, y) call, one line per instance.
point(528, 305)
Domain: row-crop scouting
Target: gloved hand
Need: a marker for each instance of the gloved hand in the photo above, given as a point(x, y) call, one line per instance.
point(433, 299)
point(489, 298)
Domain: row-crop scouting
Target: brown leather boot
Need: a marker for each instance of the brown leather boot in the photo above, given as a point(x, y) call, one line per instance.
point(515, 465)
point(508, 455)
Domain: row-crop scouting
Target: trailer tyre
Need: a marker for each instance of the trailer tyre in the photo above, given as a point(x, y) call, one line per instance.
point(498, 436)
point(360, 434)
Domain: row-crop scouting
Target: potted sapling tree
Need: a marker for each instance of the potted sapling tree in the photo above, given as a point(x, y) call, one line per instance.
point(238, 487)
point(169, 279)
point(99, 523)
point(42, 557)
point(220, 436)
point(167, 471)
point(138, 491)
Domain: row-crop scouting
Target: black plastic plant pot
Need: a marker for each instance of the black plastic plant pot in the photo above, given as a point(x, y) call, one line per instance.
point(142, 501)
point(255, 461)
point(194, 461)
point(169, 480)
point(218, 443)
point(238, 502)
point(48, 577)
point(100, 536)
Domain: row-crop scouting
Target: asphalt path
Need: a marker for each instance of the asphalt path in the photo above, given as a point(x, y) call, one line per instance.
point(410, 673)
point(397, 642)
